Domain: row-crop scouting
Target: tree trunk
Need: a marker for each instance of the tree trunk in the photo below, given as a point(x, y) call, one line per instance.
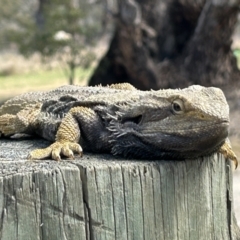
point(72, 68)
point(39, 15)
point(171, 43)
point(102, 197)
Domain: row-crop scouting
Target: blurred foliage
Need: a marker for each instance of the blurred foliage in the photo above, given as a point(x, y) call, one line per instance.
point(236, 53)
point(62, 28)
point(15, 19)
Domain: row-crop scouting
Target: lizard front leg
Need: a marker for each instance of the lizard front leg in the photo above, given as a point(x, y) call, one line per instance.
point(68, 135)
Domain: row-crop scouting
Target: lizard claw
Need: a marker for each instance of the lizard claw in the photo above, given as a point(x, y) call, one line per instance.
point(55, 151)
point(228, 153)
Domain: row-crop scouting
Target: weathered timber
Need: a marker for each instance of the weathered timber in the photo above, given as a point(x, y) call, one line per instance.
point(104, 197)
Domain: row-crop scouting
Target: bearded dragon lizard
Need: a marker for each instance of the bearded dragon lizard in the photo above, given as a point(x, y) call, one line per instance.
point(119, 119)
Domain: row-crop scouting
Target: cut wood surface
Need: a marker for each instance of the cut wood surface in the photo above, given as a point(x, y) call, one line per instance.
point(104, 197)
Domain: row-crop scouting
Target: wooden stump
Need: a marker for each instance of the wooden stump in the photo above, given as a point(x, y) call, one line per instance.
point(104, 197)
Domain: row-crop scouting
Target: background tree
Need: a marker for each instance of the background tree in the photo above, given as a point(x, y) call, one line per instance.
point(65, 31)
point(166, 43)
point(171, 44)
point(14, 19)
point(59, 28)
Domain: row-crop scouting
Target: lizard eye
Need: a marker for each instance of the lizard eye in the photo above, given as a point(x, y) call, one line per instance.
point(177, 106)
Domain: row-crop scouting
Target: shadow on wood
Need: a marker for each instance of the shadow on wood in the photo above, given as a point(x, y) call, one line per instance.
point(104, 197)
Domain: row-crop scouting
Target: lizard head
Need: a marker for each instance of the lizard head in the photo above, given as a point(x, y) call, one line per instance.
point(185, 123)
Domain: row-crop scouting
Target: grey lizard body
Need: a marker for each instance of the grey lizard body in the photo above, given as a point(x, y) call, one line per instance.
point(163, 124)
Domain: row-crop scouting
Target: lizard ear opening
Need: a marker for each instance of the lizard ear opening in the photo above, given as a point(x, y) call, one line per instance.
point(135, 120)
point(178, 106)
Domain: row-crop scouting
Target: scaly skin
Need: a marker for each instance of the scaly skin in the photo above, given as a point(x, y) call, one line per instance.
point(163, 124)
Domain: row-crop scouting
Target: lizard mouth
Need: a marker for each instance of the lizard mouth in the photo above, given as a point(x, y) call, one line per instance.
point(222, 125)
point(218, 127)
point(210, 125)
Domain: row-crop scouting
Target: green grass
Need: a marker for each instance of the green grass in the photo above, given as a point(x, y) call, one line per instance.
point(43, 79)
point(236, 53)
point(39, 80)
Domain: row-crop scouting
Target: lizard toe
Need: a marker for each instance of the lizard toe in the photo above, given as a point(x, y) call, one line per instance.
point(40, 153)
point(67, 152)
point(56, 151)
point(69, 148)
point(76, 148)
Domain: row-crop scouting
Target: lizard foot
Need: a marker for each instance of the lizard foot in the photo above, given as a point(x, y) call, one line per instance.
point(56, 149)
point(228, 153)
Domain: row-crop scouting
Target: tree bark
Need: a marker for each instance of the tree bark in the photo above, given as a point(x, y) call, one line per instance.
point(171, 43)
point(39, 15)
point(104, 197)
